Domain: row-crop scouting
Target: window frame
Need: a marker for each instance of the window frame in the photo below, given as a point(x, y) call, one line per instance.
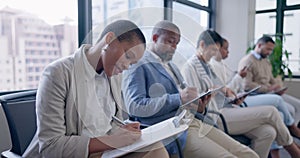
point(85, 15)
point(281, 7)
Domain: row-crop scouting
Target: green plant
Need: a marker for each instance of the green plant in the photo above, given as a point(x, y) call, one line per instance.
point(279, 66)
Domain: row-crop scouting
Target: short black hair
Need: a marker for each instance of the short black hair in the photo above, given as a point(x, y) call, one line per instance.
point(265, 39)
point(124, 30)
point(164, 26)
point(209, 37)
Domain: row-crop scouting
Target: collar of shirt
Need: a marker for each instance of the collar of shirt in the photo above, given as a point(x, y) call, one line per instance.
point(89, 70)
point(168, 69)
point(256, 55)
point(100, 105)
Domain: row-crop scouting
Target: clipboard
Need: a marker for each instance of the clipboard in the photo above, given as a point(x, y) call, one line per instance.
point(202, 95)
point(279, 90)
point(244, 94)
point(150, 135)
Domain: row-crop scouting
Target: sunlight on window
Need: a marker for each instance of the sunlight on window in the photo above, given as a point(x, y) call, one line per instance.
point(32, 37)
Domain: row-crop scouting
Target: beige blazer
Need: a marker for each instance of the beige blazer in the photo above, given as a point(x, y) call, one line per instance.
point(61, 92)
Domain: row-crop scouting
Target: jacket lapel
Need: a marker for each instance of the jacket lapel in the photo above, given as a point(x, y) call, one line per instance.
point(157, 65)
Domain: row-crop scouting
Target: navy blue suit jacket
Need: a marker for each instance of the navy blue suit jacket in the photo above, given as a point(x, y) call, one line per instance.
point(150, 93)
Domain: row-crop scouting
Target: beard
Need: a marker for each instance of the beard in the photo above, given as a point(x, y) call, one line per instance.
point(167, 56)
point(263, 56)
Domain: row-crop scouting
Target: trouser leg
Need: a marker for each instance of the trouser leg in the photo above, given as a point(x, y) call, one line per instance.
point(272, 100)
point(261, 139)
point(208, 142)
point(243, 120)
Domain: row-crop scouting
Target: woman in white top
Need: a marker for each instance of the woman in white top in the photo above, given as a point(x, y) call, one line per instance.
point(235, 82)
point(75, 102)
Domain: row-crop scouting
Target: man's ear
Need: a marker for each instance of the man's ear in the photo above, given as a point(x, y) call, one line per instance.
point(109, 37)
point(155, 37)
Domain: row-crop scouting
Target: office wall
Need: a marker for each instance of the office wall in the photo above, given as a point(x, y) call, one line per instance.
point(235, 21)
point(294, 86)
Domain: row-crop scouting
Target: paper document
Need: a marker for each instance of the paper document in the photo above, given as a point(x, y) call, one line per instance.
point(150, 135)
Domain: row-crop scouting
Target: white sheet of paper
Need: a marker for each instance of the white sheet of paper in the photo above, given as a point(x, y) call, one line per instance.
point(150, 135)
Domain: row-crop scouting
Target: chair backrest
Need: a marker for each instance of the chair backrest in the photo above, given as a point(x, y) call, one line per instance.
point(19, 109)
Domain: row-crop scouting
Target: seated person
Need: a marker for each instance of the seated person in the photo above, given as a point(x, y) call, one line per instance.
point(235, 82)
point(74, 102)
point(261, 124)
point(260, 72)
point(154, 89)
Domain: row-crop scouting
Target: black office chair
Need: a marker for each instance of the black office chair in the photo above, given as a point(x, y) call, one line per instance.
point(208, 120)
point(19, 109)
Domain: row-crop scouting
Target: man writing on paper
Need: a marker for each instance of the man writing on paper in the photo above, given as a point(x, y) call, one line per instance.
point(154, 89)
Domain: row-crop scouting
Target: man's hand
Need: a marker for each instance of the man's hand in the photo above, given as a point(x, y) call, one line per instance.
point(274, 87)
point(281, 90)
point(188, 94)
point(243, 72)
point(239, 101)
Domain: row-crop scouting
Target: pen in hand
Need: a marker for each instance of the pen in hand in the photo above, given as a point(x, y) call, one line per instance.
point(118, 120)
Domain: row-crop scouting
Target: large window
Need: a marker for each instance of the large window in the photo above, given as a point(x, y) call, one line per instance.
point(265, 4)
point(192, 17)
point(292, 38)
point(281, 17)
point(268, 21)
point(192, 21)
point(34, 33)
point(142, 12)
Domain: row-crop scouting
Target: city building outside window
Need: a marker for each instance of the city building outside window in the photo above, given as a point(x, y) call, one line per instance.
point(32, 37)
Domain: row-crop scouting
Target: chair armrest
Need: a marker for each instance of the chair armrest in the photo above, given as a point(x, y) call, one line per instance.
point(240, 138)
point(244, 104)
point(9, 154)
point(209, 120)
point(224, 124)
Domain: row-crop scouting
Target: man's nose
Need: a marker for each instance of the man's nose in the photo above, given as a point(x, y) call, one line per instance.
point(174, 45)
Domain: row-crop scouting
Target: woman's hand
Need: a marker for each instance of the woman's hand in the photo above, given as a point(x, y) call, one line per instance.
point(228, 92)
point(123, 136)
point(202, 103)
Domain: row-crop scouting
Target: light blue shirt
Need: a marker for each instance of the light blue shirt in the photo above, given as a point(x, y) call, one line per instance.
point(256, 55)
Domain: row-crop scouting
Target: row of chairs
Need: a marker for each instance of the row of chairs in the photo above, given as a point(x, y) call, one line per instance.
point(19, 109)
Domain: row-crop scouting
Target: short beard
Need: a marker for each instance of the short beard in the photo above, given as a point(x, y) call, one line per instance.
point(263, 56)
point(165, 57)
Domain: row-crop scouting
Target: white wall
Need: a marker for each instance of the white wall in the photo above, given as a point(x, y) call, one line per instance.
point(235, 22)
